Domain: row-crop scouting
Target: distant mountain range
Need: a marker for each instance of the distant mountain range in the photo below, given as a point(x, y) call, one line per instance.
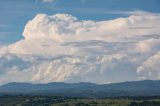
point(134, 88)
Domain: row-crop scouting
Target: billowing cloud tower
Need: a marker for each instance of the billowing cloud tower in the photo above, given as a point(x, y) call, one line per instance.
point(64, 48)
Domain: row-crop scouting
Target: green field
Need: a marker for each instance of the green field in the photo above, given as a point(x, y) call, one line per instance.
point(20, 100)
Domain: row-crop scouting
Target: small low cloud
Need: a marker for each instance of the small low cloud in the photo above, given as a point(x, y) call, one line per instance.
point(48, 1)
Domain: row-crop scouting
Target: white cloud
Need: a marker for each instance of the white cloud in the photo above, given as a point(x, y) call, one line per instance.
point(64, 27)
point(63, 48)
point(48, 1)
point(134, 12)
point(148, 45)
point(150, 68)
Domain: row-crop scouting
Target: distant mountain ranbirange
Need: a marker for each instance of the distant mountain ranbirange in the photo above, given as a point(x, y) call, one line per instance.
point(134, 88)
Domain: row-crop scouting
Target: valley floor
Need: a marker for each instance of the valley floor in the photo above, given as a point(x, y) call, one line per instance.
point(20, 100)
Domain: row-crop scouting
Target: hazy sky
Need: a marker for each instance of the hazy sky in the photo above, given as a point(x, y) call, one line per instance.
point(97, 41)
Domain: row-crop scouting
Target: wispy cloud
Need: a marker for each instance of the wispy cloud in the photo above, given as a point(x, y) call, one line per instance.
point(132, 12)
point(48, 1)
point(83, 1)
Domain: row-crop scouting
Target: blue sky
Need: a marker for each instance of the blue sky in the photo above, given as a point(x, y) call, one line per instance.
point(14, 14)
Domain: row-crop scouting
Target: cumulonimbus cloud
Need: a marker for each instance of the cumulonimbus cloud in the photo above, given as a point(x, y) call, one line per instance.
point(62, 27)
point(63, 48)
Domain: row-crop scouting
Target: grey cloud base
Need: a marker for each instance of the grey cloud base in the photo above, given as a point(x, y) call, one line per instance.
point(63, 48)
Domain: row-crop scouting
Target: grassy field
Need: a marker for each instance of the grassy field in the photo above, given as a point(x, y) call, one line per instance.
point(68, 101)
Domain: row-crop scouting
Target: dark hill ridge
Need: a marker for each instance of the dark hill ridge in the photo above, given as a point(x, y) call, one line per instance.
point(134, 88)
